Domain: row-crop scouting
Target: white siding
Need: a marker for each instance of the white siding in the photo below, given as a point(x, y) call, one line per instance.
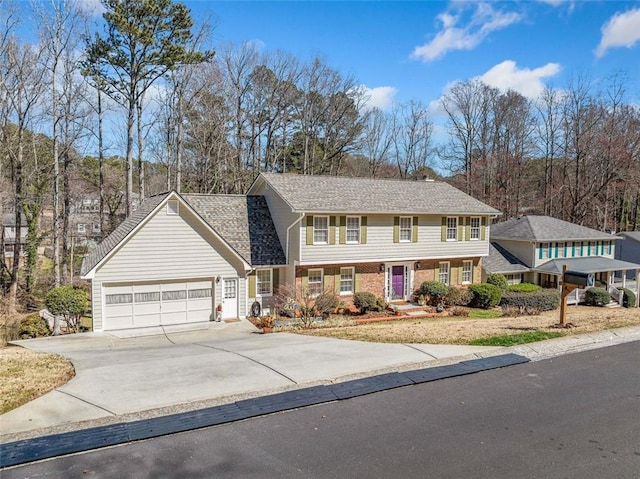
point(523, 250)
point(380, 245)
point(166, 248)
point(281, 212)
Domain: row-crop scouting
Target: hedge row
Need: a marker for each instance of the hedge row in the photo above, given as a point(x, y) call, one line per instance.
point(533, 302)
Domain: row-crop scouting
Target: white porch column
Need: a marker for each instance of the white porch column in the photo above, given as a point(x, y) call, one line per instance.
point(624, 278)
point(638, 288)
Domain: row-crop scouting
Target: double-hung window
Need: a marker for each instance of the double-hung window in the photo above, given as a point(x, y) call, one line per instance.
point(320, 229)
point(544, 250)
point(475, 228)
point(314, 280)
point(467, 272)
point(353, 229)
point(264, 282)
point(347, 278)
point(443, 274)
point(406, 224)
point(452, 228)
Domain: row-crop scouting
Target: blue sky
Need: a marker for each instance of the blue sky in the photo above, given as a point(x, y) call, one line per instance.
point(404, 50)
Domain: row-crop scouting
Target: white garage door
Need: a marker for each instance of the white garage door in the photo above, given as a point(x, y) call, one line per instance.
point(141, 305)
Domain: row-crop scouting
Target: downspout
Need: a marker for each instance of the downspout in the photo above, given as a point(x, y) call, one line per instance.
point(286, 253)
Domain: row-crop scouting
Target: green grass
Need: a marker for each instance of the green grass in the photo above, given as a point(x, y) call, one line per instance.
point(485, 313)
point(515, 339)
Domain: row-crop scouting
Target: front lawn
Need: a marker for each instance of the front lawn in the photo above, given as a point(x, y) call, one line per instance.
point(464, 330)
point(515, 339)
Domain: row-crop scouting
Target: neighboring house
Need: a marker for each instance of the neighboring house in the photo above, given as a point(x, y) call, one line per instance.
point(628, 248)
point(180, 255)
point(534, 249)
point(9, 235)
point(85, 219)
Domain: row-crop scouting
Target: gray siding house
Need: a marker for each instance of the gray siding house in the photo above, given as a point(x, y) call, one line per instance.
point(181, 257)
point(534, 249)
point(628, 248)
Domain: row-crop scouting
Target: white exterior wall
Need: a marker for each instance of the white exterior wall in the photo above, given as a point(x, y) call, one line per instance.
point(380, 245)
point(166, 248)
point(523, 250)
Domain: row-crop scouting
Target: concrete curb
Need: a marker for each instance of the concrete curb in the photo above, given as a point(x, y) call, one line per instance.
point(30, 450)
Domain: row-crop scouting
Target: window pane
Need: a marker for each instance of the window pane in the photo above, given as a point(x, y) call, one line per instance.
point(475, 228)
point(452, 228)
point(320, 229)
point(174, 295)
point(199, 293)
point(315, 281)
point(229, 288)
point(405, 228)
point(346, 280)
point(443, 276)
point(147, 297)
point(353, 230)
point(124, 298)
point(263, 282)
point(467, 271)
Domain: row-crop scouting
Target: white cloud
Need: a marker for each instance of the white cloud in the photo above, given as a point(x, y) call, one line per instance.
point(379, 97)
point(527, 82)
point(622, 30)
point(456, 35)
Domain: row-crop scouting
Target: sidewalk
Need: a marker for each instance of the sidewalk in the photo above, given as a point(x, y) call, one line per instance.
point(109, 428)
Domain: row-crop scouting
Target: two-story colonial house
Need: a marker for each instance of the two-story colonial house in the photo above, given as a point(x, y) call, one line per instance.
point(181, 256)
point(534, 249)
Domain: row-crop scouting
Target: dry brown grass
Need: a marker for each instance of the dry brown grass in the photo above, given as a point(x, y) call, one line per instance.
point(456, 330)
point(26, 375)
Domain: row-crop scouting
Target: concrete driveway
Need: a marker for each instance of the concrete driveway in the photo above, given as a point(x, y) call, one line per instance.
point(119, 376)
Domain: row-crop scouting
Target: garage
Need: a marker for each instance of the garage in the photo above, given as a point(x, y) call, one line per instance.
point(139, 305)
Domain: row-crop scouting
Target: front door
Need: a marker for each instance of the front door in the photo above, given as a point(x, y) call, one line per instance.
point(230, 298)
point(397, 283)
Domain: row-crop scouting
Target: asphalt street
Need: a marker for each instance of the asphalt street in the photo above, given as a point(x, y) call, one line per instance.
point(573, 416)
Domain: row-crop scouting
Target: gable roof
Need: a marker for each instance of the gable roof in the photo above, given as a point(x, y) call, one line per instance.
point(243, 222)
point(338, 194)
point(120, 233)
point(501, 261)
point(544, 228)
point(634, 235)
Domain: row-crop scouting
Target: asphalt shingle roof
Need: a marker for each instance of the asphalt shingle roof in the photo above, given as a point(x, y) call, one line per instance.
point(634, 235)
point(244, 222)
point(545, 228)
point(338, 194)
point(592, 264)
point(501, 261)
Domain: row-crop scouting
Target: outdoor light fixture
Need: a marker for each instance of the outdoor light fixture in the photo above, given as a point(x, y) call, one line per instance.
point(418, 265)
point(218, 278)
point(382, 267)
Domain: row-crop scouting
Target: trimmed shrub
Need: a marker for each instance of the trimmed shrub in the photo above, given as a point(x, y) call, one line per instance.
point(33, 327)
point(499, 280)
point(366, 301)
point(326, 303)
point(530, 303)
point(69, 302)
point(434, 290)
point(458, 296)
point(524, 288)
point(485, 295)
point(597, 297)
point(628, 298)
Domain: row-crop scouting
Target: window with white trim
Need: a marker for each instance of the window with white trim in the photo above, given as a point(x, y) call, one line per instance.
point(544, 250)
point(406, 224)
point(560, 247)
point(443, 273)
point(119, 298)
point(81, 228)
point(467, 272)
point(264, 282)
point(475, 228)
point(320, 229)
point(314, 282)
point(172, 207)
point(353, 229)
point(347, 279)
point(515, 278)
point(452, 228)
point(174, 295)
point(96, 227)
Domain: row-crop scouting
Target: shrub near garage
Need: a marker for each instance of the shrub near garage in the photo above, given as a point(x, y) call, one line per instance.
point(485, 295)
point(33, 327)
point(596, 297)
point(69, 302)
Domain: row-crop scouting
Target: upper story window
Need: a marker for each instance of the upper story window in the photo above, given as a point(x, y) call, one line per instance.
point(452, 228)
point(475, 228)
point(544, 251)
point(96, 227)
point(264, 283)
point(81, 228)
point(406, 224)
point(353, 229)
point(320, 229)
point(559, 250)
